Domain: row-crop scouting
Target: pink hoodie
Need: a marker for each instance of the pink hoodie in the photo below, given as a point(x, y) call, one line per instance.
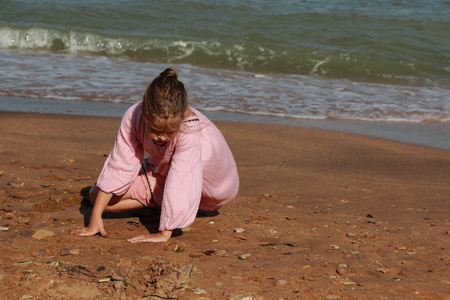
point(197, 165)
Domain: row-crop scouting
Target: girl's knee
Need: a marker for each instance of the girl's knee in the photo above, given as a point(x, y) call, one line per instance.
point(93, 192)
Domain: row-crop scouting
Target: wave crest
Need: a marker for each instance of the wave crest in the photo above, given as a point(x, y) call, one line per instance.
point(362, 65)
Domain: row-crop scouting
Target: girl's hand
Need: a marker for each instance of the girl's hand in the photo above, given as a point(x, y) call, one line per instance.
point(88, 232)
point(95, 223)
point(162, 236)
point(93, 228)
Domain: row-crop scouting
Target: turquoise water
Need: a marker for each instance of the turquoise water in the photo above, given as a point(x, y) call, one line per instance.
point(375, 60)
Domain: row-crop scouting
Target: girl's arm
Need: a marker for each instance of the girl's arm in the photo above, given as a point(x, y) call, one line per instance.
point(124, 162)
point(96, 222)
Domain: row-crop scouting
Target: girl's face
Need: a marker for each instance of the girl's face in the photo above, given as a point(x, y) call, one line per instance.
point(162, 130)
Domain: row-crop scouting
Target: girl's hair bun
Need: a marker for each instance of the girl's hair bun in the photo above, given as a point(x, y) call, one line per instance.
point(167, 73)
point(165, 97)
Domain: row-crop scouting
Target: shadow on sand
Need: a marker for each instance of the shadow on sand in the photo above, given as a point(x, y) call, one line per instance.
point(148, 216)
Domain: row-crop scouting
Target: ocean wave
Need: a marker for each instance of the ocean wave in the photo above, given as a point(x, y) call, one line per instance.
point(103, 79)
point(361, 65)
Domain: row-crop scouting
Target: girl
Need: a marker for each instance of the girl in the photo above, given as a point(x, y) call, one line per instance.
point(190, 165)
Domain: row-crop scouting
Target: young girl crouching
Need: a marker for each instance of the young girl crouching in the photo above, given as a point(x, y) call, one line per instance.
point(190, 165)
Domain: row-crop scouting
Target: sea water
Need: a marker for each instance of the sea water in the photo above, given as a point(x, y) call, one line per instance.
point(373, 60)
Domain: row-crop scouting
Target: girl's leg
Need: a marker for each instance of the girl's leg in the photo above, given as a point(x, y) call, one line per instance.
point(117, 204)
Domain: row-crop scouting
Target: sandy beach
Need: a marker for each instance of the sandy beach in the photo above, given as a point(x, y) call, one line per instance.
point(320, 215)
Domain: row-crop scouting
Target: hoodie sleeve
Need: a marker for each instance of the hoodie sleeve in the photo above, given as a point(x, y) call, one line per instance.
point(123, 163)
point(183, 187)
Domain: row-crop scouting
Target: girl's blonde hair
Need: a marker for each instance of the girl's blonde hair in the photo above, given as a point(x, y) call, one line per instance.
point(166, 98)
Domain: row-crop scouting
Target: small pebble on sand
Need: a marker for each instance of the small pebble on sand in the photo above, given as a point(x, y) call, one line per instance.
point(41, 233)
point(186, 229)
point(281, 282)
point(400, 248)
point(244, 256)
point(382, 270)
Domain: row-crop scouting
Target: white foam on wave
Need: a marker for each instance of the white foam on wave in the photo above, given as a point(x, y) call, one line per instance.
point(31, 38)
point(70, 42)
point(76, 42)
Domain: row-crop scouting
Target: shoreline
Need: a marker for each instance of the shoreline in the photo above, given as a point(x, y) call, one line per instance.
point(433, 134)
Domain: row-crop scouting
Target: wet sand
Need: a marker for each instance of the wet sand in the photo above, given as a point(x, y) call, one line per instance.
point(431, 134)
point(323, 215)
